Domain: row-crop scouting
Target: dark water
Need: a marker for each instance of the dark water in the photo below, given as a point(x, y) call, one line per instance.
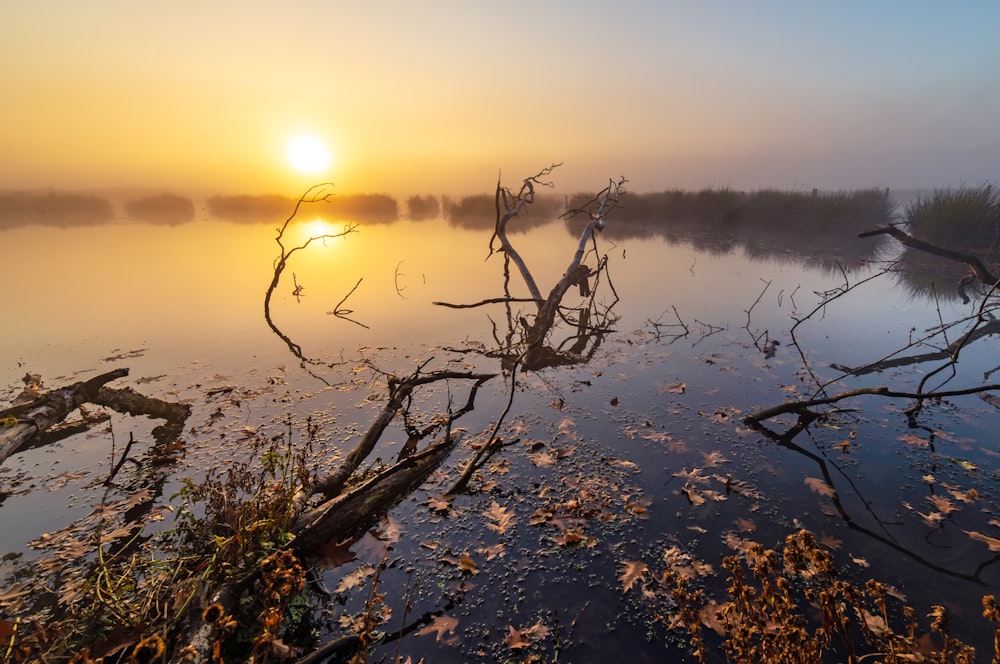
point(620, 459)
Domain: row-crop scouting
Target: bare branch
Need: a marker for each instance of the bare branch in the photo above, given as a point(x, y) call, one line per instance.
point(980, 270)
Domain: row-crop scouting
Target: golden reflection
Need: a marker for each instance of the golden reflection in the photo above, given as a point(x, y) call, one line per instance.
point(318, 227)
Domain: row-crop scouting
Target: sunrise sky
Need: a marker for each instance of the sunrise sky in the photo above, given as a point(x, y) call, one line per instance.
point(438, 97)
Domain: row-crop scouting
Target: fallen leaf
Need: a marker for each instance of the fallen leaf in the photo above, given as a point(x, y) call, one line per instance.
point(692, 475)
point(504, 518)
point(439, 503)
point(968, 465)
point(441, 625)
point(875, 623)
point(542, 459)
point(674, 388)
point(632, 571)
point(712, 616)
point(355, 578)
point(536, 631)
point(933, 519)
point(820, 486)
point(857, 560)
point(943, 505)
point(693, 496)
point(734, 542)
point(567, 428)
point(467, 564)
point(992, 542)
point(914, 440)
point(515, 639)
point(745, 525)
point(491, 552)
point(714, 459)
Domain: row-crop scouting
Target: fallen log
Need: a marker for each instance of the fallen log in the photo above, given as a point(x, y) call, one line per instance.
point(22, 423)
point(351, 512)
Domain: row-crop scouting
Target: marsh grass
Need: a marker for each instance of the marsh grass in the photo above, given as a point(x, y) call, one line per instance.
point(818, 227)
point(763, 210)
point(479, 212)
point(964, 219)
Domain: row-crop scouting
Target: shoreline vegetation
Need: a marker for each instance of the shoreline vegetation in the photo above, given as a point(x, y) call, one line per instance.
point(971, 211)
point(820, 227)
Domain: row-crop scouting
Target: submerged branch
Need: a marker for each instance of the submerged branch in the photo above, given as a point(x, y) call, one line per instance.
point(980, 270)
point(804, 406)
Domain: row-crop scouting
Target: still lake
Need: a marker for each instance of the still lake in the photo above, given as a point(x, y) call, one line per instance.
point(645, 432)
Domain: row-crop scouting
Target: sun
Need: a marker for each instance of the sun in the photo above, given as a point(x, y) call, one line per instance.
point(307, 154)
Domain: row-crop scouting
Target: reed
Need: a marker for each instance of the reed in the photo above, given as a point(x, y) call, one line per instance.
point(964, 219)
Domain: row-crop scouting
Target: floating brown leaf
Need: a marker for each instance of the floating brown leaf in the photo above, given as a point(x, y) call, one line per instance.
point(504, 518)
point(992, 542)
point(943, 504)
point(439, 503)
point(441, 625)
point(914, 440)
point(632, 572)
point(467, 564)
point(542, 459)
point(355, 578)
point(820, 487)
point(933, 519)
point(515, 639)
point(674, 388)
point(491, 552)
point(713, 459)
point(693, 495)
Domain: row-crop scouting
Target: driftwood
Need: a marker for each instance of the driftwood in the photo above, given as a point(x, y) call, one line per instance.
point(24, 422)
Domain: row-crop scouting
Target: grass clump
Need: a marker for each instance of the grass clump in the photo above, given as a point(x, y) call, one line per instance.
point(964, 219)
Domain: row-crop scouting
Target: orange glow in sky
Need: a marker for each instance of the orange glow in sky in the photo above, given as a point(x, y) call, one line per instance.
point(439, 98)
